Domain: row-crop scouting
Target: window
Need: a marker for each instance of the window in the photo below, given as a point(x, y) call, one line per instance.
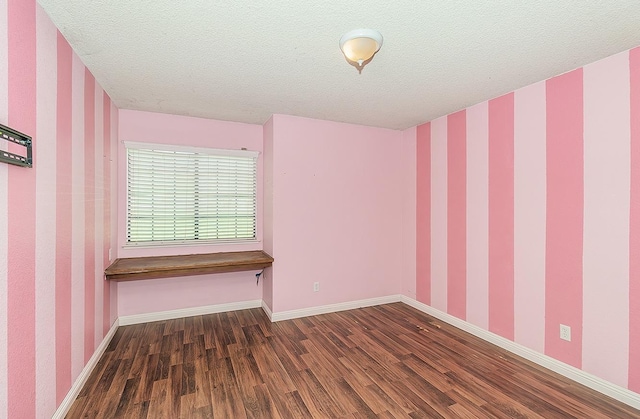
point(189, 195)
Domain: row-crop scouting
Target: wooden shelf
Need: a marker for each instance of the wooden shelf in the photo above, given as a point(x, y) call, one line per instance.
point(132, 269)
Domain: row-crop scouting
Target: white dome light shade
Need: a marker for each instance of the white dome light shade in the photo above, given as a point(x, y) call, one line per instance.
point(360, 45)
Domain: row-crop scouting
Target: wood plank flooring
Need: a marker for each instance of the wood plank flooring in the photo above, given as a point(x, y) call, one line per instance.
point(388, 361)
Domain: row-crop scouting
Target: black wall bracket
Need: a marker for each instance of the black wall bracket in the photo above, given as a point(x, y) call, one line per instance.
point(16, 137)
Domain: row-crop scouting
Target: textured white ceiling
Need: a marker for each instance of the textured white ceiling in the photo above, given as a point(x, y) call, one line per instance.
point(245, 60)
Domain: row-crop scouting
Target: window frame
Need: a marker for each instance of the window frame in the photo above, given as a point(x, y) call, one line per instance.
point(200, 150)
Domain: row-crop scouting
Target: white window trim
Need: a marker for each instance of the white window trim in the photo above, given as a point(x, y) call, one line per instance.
point(201, 150)
point(199, 243)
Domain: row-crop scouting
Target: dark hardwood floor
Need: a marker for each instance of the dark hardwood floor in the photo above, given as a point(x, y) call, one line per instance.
point(385, 361)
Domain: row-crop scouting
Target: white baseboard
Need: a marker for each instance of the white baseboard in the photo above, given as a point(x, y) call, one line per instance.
point(267, 310)
point(71, 396)
point(612, 390)
point(331, 308)
point(187, 312)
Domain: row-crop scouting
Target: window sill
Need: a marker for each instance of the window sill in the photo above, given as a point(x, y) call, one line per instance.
point(178, 244)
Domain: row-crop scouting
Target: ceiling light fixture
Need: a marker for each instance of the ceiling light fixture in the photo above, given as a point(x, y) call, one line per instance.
point(360, 45)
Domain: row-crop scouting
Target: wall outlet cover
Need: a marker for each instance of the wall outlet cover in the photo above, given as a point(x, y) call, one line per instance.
point(565, 332)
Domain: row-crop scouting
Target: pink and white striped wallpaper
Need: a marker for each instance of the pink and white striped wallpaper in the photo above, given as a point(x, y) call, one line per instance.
point(528, 216)
point(55, 218)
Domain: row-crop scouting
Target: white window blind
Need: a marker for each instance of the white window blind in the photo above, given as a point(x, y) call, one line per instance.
point(179, 194)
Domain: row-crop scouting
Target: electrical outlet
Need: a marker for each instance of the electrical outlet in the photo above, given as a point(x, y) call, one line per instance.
point(316, 286)
point(565, 332)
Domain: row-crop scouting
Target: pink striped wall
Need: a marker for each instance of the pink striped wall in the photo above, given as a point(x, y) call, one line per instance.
point(106, 208)
point(409, 229)
point(565, 197)
point(501, 216)
point(529, 207)
point(634, 225)
point(90, 215)
point(477, 213)
point(45, 263)
point(63, 222)
point(45, 281)
point(423, 213)
point(606, 174)
point(438, 247)
point(552, 207)
point(21, 235)
point(4, 174)
point(457, 210)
